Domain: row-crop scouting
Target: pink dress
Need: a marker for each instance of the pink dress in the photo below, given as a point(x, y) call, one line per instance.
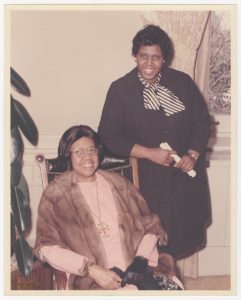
point(103, 210)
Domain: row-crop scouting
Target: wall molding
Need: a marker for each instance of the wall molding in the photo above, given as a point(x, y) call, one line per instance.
point(47, 145)
point(44, 142)
point(220, 146)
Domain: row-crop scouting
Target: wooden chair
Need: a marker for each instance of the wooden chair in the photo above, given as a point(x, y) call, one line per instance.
point(127, 167)
point(49, 169)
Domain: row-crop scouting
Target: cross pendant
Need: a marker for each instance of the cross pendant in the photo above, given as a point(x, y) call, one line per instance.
point(103, 230)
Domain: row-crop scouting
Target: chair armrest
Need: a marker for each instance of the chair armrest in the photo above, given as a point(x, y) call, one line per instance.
point(40, 160)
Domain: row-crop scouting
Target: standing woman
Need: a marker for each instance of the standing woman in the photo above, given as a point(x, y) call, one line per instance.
point(150, 105)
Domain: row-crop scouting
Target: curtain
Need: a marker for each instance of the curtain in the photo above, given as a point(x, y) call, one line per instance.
point(190, 34)
point(186, 29)
point(201, 68)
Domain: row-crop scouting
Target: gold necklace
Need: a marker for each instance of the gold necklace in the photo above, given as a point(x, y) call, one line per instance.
point(103, 229)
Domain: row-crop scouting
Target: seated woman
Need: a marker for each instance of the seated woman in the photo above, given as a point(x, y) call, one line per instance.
point(93, 224)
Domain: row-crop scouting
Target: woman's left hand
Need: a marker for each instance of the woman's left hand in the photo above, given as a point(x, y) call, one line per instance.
point(105, 278)
point(186, 163)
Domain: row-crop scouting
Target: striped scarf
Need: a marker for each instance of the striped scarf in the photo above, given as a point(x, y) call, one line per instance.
point(157, 96)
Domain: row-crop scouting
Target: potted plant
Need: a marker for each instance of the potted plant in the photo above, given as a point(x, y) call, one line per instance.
point(21, 122)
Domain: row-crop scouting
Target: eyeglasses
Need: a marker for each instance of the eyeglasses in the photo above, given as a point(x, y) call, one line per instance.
point(154, 58)
point(80, 152)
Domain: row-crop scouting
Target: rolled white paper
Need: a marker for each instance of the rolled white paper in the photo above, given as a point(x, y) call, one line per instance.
point(177, 158)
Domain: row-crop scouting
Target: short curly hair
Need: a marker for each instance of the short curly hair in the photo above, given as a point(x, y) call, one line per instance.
point(154, 35)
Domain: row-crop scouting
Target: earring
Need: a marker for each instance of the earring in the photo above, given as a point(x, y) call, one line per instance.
point(163, 61)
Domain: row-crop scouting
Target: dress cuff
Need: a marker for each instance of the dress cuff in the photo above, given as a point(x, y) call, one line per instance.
point(63, 259)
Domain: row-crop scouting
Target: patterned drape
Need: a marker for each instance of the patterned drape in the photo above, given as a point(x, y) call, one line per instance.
point(186, 29)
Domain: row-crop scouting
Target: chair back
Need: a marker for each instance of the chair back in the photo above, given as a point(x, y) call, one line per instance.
point(126, 166)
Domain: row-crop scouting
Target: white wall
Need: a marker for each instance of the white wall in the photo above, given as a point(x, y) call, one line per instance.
point(69, 59)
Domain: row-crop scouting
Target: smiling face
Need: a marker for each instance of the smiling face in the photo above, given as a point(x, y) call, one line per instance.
point(149, 61)
point(84, 158)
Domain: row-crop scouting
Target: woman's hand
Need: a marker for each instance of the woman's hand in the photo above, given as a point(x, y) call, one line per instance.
point(160, 156)
point(105, 278)
point(186, 163)
point(156, 155)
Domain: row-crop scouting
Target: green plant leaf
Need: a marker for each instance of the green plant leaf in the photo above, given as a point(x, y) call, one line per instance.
point(16, 145)
point(23, 186)
point(16, 170)
point(13, 118)
point(19, 84)
point(13, 234)
point(20, 209)
point(25, 122)
point(15, 209)
point(26, 215)
point(24, 256)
